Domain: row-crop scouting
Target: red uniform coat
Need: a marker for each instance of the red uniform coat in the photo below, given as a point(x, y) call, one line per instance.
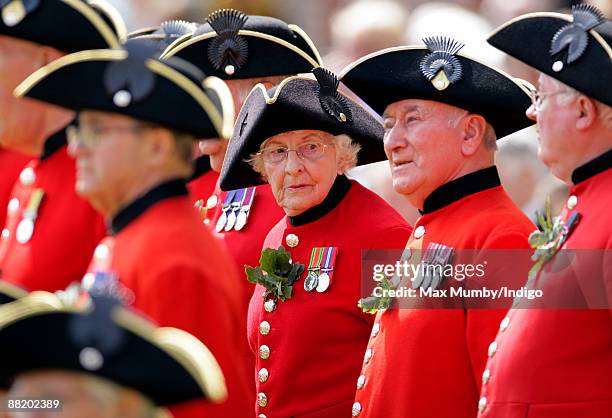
point(558, 363)
point(66, 227)
point(180, 277)
point(11, 164)
point(424, 363)
point(316, 340)
point(245, 245)
point(203, 187)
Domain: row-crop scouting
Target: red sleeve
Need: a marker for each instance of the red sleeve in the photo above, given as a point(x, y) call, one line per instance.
point(182, 296)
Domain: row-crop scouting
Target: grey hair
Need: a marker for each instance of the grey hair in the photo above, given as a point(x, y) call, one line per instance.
point(346, 155)
point(489, 137)
point(604, 112)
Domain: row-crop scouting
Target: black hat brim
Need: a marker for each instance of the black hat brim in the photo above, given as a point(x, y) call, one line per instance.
point(166, 365)
point(293, 106)
point(177, 102)
point(272, 56)
point(528, 39)
point(394, 74)
point(70, 26)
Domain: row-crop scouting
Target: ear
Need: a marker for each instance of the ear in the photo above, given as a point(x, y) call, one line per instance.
point(159, 146)
point(474, 127)
point(587, 113)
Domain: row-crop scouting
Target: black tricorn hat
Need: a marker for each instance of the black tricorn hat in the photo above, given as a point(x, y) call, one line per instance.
point(232, 45)
point(67, 25)
point(299, 103)
point(99, 336)
point(574, 49)
point(135, 83)
point(166, 33)
point(438, 72)
point(10, 292)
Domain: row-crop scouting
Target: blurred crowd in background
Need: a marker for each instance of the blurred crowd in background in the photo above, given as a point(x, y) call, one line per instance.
point(346, 30)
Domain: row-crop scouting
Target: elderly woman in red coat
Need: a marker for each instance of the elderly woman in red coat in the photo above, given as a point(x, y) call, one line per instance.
point(304, 326)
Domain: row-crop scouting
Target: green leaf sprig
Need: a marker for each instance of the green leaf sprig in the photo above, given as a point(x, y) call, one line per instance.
point(276, 273)
point(547, 239)
point(373, 304)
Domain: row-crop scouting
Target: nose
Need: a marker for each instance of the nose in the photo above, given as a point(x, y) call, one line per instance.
point(532, 113)
point(294, 163)
point(75, 148)
point(393, 140)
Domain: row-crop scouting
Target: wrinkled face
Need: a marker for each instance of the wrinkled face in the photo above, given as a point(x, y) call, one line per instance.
point(423, 146)
point(25, 124)
point(556, 119)
point(109, 157)
point(301, 182)
point(78, 398)
point(215, 148)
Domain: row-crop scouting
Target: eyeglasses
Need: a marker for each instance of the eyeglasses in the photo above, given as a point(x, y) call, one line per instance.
point(89, 136)
point(307, 151)
point(537, 99)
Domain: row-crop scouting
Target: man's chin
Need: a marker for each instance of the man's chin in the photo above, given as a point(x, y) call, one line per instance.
point(404, 185)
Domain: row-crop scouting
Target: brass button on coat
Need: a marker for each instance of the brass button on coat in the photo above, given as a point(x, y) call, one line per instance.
point(264, 328)
point(292, 240)
point(262, 399)
point(264, 352)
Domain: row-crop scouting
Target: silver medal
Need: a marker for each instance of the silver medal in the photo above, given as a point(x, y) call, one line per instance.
point(231, 221)
point(221, 222)
point(311, 282)
point(241, 220)
point(324, 282)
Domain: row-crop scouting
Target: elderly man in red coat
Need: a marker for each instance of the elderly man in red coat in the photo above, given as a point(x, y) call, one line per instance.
point(442, 114)
point(50, 232)
point(138, 118)
point(558, 362)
